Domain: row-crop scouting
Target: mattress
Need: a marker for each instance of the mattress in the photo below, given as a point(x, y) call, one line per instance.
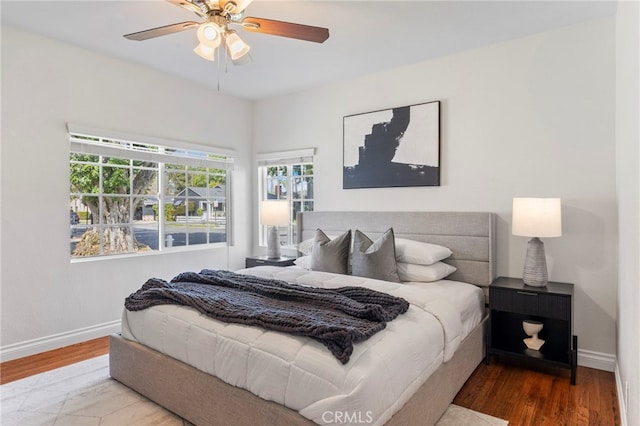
point(300, 373)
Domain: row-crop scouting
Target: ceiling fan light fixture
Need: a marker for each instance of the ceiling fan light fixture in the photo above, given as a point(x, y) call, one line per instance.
point(219, 14)
point(209, 35)
point(186, 4)
point(235, 46)
point(205, 52)
point(234, 6)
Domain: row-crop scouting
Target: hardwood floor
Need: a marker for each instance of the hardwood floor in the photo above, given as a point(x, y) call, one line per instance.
point(504, 389)
point(533, 395)
point(24, 367)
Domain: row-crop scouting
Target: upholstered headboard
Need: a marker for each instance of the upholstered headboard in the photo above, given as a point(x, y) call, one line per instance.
point(470, 235)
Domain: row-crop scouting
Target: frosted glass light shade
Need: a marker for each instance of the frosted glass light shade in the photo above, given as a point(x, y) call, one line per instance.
point(236, 47)
point(209, 34)
point(205, 52)
point(536, 217)
point(274, 213)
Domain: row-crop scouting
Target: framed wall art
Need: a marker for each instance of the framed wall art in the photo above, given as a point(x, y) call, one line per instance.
point(393, 147)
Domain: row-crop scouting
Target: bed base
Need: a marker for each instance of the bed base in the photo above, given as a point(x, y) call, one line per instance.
point(205, 400)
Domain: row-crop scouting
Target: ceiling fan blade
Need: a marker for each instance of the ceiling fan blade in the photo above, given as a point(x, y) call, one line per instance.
point(186, 4)
point(285, 29)
point(160, 31)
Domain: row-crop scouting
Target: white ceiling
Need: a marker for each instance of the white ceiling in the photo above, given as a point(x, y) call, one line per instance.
point(365, 36)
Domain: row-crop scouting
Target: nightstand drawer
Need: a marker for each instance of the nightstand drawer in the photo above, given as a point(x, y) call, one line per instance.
point(531, 303)
point(250, 263)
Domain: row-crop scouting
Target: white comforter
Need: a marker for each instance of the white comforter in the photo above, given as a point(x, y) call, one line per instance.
point(300, 373)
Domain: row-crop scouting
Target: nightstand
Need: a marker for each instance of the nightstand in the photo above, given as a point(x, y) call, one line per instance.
point(511, 302)
point(252, 261)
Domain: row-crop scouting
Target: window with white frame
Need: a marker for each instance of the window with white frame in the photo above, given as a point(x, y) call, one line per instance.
point(128, 196)
point(286, 176)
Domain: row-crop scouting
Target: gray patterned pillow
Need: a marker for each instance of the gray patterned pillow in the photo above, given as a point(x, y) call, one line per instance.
point(305, 247)
point(330, 255)
point(375, 259)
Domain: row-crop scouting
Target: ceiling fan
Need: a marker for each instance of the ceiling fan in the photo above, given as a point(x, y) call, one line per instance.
point(215, 29)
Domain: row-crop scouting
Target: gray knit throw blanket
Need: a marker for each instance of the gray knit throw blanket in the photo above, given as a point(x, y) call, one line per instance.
point(337, 318)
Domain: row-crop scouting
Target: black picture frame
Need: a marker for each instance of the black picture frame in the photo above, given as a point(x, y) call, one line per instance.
point(396, 147)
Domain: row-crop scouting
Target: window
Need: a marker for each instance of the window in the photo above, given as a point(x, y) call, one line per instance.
point(287, 176)
point(129, 197)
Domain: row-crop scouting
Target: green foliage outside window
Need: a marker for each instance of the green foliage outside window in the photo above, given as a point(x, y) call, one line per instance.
point(115, 197)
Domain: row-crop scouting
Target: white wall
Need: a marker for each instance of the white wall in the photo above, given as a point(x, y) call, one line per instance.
point(628, 186)
point(46, 300)
point(529, 117)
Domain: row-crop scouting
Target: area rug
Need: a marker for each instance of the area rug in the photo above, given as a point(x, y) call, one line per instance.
point(83, 394)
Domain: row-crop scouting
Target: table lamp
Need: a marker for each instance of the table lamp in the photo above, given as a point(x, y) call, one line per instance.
point(536, 217)
point(273, 214)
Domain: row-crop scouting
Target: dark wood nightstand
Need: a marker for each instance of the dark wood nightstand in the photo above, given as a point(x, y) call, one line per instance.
point(511, 302)
point(252, 261)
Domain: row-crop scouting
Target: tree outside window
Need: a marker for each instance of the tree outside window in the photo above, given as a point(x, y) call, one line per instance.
point(126, 205)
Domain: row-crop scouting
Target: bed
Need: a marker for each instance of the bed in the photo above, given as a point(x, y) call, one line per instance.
point(205, 399)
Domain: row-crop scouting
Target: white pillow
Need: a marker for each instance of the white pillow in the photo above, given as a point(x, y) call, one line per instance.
point(424, 273)
point(410, 251)
point(303, 262)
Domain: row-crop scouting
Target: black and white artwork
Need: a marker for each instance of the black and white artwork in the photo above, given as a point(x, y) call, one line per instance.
point(392, 147)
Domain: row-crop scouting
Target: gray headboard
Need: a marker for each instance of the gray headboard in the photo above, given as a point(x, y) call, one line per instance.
point(470, 235)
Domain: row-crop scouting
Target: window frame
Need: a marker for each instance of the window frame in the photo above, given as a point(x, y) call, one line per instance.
point(288, 159)
point(210, 162)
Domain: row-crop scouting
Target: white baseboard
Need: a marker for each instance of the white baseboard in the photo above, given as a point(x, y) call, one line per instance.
point(44, 344)
point(622, 404)
point(597, 360)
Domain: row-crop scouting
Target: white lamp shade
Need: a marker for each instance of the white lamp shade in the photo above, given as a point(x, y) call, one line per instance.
point(275, 213)
point(209, 35)
point(236, 47)
point(536, 217)
point(205, 52)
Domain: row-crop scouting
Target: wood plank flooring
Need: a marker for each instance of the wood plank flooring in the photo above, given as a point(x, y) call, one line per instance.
point(533, 395)
point(504, 389)
point(24, 367)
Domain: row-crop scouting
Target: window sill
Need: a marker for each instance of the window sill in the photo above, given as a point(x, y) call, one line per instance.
point(165, 251)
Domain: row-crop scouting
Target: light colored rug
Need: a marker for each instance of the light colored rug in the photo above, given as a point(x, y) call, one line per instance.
point(83, 394)
point(460, 416)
